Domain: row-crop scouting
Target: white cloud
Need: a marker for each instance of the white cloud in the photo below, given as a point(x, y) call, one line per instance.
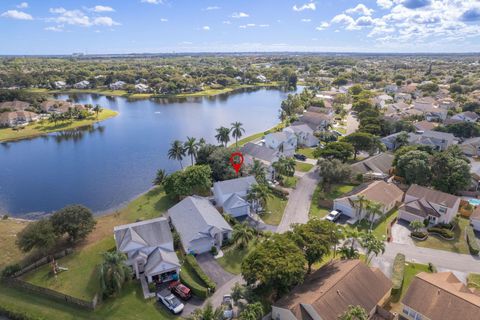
point(54, 29)
point(15, 14)
point(152, 1)
point(79, 18)
point(306, 20)
point(385, 4)
point(306, 6)
point(103, 9)
point(206, 28)
point(238, 15)
point(23, 5)
point(360, 9)
point(163, 20)
point(212, 8)
point(253, 25)
point(324, 25)
point(263, 25)
point(226, 22)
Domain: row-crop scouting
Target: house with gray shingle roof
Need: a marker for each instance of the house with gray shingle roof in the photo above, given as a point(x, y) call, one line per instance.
point(149, 249)
point(231, 195)
point(305, 134)
point(199, 224)
point(265, 155)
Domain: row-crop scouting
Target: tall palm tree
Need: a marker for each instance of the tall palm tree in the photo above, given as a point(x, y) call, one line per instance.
point(177, 152)
point(237, 131)
point(361, 201)
point(207, 313)
point(191, 147)
point(223, 135)
point(258, 195)
point(97, 109)
point(354, 236)
point(242, 234)
point(285, 166)
point(160, 177)
point(372, 245)
point(258, 170)
point(374, 209)
point(113, 272)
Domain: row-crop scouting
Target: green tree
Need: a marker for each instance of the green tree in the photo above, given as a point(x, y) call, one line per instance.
point(450, 173)
point(75, 221)
point(253, 311)
point(414, 166)
point(191, 148)
point(285, 166)
point(417, 225)
point(177, 152)
point(207, 313)
point(332, 172)
point(195, 179)
point(401, 140)
point(362, 105)
point(276, 264)
point(258, 195)
point(159, 177)
point(237, 131)
point(354, 313)
point(113, 273)
point(335, 150)
point(223, 135)
point(242, 234)
point(39, 234)
point(374, 209)
point(258, 170)
point(362, 141)
point(372, 245)
point(97, 109)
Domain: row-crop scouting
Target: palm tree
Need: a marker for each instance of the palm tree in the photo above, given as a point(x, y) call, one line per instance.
point(207, 313)
point(54, 117)
point(113, 272)
point(237, 131)
point(285, 166)
point(223, 135)
point(242, 234)
point(354, 313)
point(191, 147)
point(160, 177)
point(372, 245)
point(362, 202)
point(353, 236)
point(202, 142)
point(97, 109)
point(258, 195)
point(258, 170)
point(374, 209)
point(177, 152)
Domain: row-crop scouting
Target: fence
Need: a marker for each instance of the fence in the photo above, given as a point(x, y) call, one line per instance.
point(42, 262)
point(20, 284)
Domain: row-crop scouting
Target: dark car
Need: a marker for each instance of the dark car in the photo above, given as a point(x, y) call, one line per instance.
point(180, 290)
point(300, 157)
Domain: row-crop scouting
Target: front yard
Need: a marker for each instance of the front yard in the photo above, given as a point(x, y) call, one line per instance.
point(274, 210)
point(458, 245)
point(318, 211)
point(233, 257)
point(307, 152)
point(303, 167)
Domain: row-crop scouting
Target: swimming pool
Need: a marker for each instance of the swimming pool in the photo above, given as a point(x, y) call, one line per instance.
point(474, 202)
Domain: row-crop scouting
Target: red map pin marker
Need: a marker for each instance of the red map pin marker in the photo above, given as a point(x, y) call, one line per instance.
point(236, 160)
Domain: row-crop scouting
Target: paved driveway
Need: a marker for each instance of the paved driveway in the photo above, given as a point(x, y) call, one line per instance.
point(299, 201)
point(401, 233)
point(211, 267)
point(352, 124)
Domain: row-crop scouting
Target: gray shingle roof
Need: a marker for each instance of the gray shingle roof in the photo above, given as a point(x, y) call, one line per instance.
point(381, 163)
point(234, 201)
point(149, 233)
point(259, 152)
point(235, 185)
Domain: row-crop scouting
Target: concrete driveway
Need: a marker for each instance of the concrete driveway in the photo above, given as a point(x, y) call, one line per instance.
point(401, 233)
point(352, 123)
point(211, 267)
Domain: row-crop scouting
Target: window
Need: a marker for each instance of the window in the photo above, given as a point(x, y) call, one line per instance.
point(442, 210)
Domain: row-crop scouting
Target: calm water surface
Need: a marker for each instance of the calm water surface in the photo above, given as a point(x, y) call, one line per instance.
point(107, 165)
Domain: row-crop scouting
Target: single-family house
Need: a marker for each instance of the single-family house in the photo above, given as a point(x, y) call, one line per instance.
point(59, 85)
point(388, 195)
point(305, 135)
point(422, 126)
point(447, 103)
point(382, 100)
point(142, 88)
point(422, 203)
point(118, 85)
point(84, 84)
point(261, 78)
point(400, 96)
point(55, 106)
point(391, 88)
point(440, 296)
point(467, 116)
point(324, 110)
point(252, 151)
point(17, 118)
point(284, 142)
point(231, 195)
point(199, 225)
point(328, 292)
point(375, 167)
point(475, 219)
point(149, 249)
point(471, 147)
point(15, 105)
point(316, 120)
point(431, 112)
point(435, 139)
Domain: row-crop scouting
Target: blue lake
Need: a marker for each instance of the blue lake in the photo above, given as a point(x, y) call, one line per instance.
point(107, 165)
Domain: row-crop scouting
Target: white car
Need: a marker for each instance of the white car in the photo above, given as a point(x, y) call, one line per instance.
point(170, 301)
point(333, 215)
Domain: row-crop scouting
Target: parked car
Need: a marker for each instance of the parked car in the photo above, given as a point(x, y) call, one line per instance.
point(180, 290)
point(170, 301)
point(300, 157)
point(333, 215)
point(228, 307)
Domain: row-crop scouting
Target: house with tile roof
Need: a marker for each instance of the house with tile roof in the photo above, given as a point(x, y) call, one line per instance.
point(422, 203)
point(328, 292)
point(149, 248)
point(467, 116)
point(231, 195)
point(440, 296)
point(375, 167)
point(199, 225)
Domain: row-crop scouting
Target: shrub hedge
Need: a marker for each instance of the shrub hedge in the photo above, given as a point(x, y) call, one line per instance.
point(279, 192)
point(398, 272)
point(419, 234)
point(447, 234)
point(10, 270)
point(199, 272)
point(472, 241)
point(186, 279)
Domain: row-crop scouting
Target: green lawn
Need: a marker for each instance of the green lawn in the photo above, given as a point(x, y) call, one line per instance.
point(129, 305)
point(44, 127)
point(274, 210)
point(290, 182)
point(233, 257)
point(256, 136)
point(315, 210)
point(307, 152)
point(379, 228)
point(303, 167)
point(339, 190)
point(81, 279)
point(459, 245)
point(8, 235)
point(473, 280)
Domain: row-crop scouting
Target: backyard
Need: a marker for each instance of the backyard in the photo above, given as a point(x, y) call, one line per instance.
point(458, 245)
point(8, 235)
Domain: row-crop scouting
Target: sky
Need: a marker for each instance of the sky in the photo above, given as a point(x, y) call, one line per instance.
point(165, 26)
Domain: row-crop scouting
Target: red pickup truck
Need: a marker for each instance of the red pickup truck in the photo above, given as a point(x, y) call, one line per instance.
point(180, 290)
